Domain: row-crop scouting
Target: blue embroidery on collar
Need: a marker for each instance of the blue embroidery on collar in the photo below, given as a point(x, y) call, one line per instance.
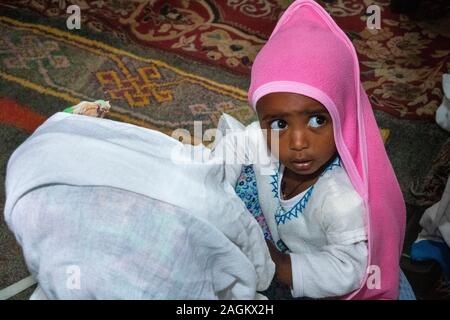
point(336, 163)
point(274, 183)
point(281, 216)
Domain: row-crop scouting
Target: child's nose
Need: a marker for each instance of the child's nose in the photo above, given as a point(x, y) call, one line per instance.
point(298, 140)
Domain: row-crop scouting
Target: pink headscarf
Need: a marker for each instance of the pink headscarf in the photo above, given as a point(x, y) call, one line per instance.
point(309, 54)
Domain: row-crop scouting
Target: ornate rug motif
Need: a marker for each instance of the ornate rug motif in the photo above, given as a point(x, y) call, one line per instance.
point(401, 64)
point(145, 92)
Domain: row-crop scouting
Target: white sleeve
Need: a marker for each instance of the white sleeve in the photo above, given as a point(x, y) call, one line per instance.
point(227, 152)
point(233, 147)
point(337, 268)
point(334, 271)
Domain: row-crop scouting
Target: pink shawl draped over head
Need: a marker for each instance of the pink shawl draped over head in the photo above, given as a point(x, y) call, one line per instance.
point(309, 54)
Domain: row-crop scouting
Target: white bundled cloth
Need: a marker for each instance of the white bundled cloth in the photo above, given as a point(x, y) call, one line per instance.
point(102, 211)
point(443, 112)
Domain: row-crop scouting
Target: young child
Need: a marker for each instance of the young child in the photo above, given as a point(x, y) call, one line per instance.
point(332, 204)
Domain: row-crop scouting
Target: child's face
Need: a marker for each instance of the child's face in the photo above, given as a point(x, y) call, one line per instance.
point(306, 140)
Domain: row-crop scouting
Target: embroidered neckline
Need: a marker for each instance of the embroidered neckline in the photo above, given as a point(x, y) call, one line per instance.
point(282, 216)
point(336, 163)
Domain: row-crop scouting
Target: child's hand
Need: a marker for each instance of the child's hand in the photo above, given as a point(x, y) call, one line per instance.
point(283, 269)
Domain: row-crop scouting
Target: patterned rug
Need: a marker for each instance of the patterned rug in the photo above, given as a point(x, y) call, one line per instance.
point(401, 64)
point(143, 91)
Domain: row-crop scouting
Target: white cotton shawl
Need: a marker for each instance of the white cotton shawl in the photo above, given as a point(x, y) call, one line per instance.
point(74, 150)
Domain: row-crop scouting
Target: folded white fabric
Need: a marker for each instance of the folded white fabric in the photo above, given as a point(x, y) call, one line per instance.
point(443, 112)
point(69, 203)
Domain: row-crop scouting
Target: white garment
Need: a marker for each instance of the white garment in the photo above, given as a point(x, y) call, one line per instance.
point(435, 220)
point(443, 112)
point(327, 239)
point(78, 153)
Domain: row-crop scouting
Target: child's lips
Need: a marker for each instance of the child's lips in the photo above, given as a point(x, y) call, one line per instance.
point(302, 164)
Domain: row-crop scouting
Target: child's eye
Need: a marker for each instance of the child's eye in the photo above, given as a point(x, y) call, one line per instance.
point(278, 124)
point(317, 121)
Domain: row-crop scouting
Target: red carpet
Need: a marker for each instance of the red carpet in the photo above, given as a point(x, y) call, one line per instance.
point(19, 116)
